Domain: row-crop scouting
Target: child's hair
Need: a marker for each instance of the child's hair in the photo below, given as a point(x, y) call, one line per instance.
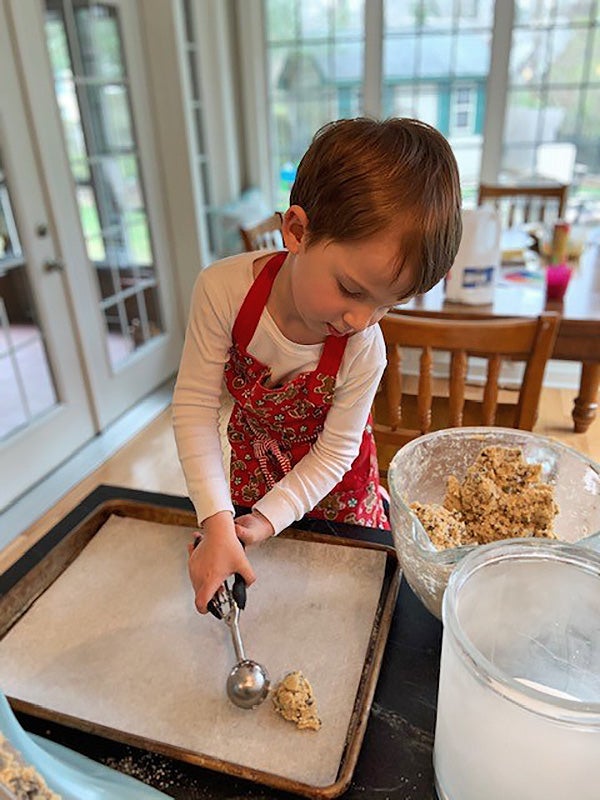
point(362, 176)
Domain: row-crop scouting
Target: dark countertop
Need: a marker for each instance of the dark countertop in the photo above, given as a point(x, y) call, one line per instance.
point(395, 758)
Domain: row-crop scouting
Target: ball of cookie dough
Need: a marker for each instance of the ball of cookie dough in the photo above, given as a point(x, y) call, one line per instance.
point(293, 698)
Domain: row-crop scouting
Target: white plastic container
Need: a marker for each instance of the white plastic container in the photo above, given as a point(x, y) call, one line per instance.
point(519, 697)
point(473, 275)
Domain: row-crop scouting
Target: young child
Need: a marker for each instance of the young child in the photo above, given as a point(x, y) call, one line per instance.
point(283, 350)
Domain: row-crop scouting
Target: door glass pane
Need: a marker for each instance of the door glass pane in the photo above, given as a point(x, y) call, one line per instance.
point(93, 95)
point(99, 40)
point(315, 56)
point(27, 387)
point(552, 121)
point(110, 118)
point(436, 60)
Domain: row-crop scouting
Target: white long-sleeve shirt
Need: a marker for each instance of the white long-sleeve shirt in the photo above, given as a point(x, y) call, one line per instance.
point(202, 403)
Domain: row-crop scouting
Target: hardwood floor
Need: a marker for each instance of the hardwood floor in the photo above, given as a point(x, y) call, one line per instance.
point(149, 461)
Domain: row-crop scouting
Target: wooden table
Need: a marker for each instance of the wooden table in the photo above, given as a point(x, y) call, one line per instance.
point(578, 336)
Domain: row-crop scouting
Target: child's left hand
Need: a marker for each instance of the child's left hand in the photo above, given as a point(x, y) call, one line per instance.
point(252, 528)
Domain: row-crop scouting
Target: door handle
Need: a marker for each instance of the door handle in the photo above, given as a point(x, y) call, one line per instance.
point(53, 265)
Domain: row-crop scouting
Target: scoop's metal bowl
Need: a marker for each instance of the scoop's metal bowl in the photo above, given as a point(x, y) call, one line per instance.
point(248, 684)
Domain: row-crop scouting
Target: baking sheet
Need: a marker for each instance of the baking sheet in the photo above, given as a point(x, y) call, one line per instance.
point(116, 641)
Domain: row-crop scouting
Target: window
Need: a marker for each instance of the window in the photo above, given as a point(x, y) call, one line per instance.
point(438, 55)
point(315, 54)
point(462, 115)
point(434, 62)
point(552, 118)
point(315, 68)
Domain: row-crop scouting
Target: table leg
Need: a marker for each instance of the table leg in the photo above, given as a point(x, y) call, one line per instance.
point(585, 406)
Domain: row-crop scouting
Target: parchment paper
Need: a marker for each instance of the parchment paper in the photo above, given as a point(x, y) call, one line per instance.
point(116, 640)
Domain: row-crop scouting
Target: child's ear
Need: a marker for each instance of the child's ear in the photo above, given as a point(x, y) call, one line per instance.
point(294, 228)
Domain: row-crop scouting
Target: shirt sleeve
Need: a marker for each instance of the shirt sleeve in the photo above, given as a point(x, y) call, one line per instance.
point(197, 396)
point(331, 456)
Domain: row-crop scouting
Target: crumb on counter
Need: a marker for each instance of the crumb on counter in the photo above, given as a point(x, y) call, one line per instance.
point(501, 497)
point(293, 698)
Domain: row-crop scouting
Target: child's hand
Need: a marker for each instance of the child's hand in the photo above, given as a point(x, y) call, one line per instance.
point(253, 528)
point(218, 555)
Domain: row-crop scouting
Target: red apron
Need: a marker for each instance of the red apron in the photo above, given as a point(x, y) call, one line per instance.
point(272, 428)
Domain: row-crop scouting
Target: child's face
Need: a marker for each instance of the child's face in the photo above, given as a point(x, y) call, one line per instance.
point(341, 288)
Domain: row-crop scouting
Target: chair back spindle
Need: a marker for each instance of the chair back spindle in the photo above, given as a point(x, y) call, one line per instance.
point(265, 235)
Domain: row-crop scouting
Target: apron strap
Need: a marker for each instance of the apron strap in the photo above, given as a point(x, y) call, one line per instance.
point(331, 357)
point(255, 301)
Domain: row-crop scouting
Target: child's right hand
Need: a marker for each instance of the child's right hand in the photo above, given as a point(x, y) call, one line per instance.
point(218, 555)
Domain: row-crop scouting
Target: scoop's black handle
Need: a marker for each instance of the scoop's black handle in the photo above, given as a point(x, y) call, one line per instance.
point(238, 591)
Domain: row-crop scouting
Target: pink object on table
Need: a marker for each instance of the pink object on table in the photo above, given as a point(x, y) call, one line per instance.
point(557, 280)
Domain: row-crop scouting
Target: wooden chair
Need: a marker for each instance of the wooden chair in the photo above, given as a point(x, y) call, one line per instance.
point(265, 235)
point(525, 204)
point(407, 406)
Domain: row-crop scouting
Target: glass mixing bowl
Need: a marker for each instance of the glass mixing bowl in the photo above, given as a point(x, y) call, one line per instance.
point(418, 472)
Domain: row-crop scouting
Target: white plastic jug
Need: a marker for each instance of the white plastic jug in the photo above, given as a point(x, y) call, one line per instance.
point(473, 275)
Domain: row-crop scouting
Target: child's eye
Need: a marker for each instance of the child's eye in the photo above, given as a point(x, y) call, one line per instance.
point(348, 292)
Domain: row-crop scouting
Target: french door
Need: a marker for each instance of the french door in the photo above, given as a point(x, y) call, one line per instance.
point(44, 410)
point(89, 240)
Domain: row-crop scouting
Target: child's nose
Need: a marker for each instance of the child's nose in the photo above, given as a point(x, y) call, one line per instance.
point(359, 318)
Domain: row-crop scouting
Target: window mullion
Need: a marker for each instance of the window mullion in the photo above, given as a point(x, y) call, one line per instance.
point(213, 52)
point(253, 68)
point(497, 88)
point(373, 58)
